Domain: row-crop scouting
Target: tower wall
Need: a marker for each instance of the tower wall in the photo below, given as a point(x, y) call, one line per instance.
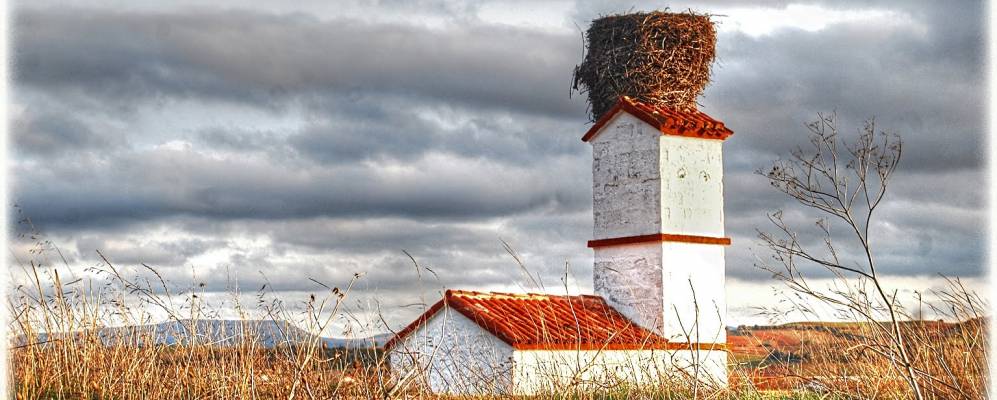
point(659, 230)
point(630, 279)
point(693, 291)
point(692, 186)
point(693, 273)
point(626, 179)
point(626, 193)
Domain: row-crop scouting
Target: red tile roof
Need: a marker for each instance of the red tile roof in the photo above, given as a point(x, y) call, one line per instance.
point(670, 122)
point(539, 321)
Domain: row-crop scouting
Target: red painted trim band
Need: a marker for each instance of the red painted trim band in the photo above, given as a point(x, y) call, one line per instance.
point(659, 237)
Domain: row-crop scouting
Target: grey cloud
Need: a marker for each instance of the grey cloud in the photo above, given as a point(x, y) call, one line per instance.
point(353, 131)
point(922, 87)
point(48, 134)
point(780, 82)
point(586, 10)
point(332, 250)
point(240, 140)
point(383, 128)
point(389, 271)
point(931, 222)
point(267, 59)
point(167, 182)
point(909, 238)
point(159, 253)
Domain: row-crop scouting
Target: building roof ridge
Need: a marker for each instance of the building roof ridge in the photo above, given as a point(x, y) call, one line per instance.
point(542, 321)
point(669, 121)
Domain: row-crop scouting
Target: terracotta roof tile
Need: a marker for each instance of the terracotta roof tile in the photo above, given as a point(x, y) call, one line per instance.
point(539, 321)
point(670, 122)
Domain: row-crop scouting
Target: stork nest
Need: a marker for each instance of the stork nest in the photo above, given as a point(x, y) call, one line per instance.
point(659, 58)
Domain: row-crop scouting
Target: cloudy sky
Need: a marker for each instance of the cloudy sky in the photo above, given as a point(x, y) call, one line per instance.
point(271, 144)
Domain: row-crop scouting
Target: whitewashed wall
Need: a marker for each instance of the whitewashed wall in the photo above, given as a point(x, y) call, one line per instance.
point(706, 366)
point(691, 186)
point(539, 371)
point(629, 278)
point(626, 183)
point(693, 289)
point(644, 182)
point(671, 288)
point(542, 371)
point(626, 191)
point(454, 355)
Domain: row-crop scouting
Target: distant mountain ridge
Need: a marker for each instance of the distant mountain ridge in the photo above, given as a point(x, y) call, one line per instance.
point(219, 332)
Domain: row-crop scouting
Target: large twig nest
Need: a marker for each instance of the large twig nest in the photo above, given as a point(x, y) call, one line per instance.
point(658, 57)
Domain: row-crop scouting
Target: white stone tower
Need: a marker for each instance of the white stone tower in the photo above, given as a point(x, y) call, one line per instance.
point(657, 187)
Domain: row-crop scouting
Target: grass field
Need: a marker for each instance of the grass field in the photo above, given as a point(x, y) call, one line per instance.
point(828, 355)
point(787, 361)
point(61, 350)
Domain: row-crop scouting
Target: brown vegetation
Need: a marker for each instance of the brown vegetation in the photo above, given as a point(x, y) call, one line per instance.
point(834, 358)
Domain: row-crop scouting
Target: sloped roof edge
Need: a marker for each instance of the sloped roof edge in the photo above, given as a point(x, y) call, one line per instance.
point(668, 121)
point(474, 306)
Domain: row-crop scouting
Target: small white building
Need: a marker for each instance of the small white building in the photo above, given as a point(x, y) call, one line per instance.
point(658, 275)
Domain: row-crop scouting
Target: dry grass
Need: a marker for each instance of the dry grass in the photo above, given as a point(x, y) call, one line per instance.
point(73, 361)
point(841, 359)
point(59, 352)
point(62, 349)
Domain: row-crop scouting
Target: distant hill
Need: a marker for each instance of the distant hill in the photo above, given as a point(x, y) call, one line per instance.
point(267, 333)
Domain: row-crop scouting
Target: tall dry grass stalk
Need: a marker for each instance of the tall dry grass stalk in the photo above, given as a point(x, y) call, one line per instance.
point(81, 339)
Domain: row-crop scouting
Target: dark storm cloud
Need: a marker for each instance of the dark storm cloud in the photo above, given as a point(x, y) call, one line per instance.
point(48, 134)
point(163, 182)
point(770, 85)
point(268, 59)
point(388, 128)
point(375, 235)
